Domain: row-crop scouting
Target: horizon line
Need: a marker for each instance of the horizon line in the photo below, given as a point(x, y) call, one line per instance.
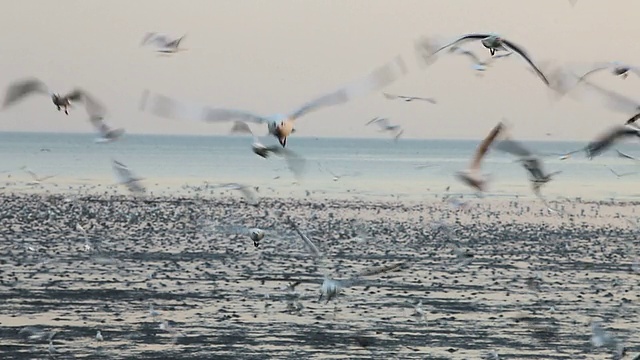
point(546, 139)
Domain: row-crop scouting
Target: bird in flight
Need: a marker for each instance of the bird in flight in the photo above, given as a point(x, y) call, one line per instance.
point(279, 125)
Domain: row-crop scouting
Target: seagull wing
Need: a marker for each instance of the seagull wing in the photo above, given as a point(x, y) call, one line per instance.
point(376, 80)
point(513, 147)
point(469, 54)
point(626, 156)
point(485, 145)
point(19, 89)
point(596, 67)
point(390, 96)
point(612, 100)
point(240, 127)
point(166, 107)
point(94, 107)
point(295, 162)
point(525, 56)
point(125, 176)
point(311, 247)
point(370, 272)
point(429, 48)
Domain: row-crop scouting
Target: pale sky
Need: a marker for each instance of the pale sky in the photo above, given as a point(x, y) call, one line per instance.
point(271, 56)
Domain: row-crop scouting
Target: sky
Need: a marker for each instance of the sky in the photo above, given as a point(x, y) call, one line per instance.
point(270, 56)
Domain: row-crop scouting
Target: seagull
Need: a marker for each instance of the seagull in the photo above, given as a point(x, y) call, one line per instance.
point(295, 163)
point(617, 68)
point(279, 125)
point(19, 89)
point(472, 176)
point(618, 175)
point(531, 162)
point(126, 178)
point(246, 191)
point(99, 336)
point(478, 65)
point(165, 44)
point(409, 98)
point(625, 156)
point(330, 287)
point(36, 179)
point(492, 42)
point(384, 125)
point(107, 134)
point(256, 235)
point(608, 138)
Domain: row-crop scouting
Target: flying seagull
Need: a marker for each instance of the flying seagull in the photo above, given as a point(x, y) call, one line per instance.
point(610, 137)
point(478, 65)
point(245, 190)
point(619, 175)
point(330, 287)
point(617, 68)
point(105, 132)
point(36, 179)
point(19, 89)
point(295, 163)
point(472, 176)
point(164, 44)
point(279, 125)
point(126, 178)
point(427, 49)
point(384, 125)
point(409, 98)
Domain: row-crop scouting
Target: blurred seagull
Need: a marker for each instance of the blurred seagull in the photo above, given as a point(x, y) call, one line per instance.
point(295, 163)
point(107, 134)
point(617, 68)
point(330, 287)
point(126, 178)
point(618, 175)
point(165, 44)
point(19, 89)
point(531, 162)
point(384, 125)
point(36, 179)
point(625, 156)
point(256, 235)
point(279, 125)
point(409, 98)
point(493, 42)
point(610, 137)
point(245, 190)
point(478, 64)
point(472, 176)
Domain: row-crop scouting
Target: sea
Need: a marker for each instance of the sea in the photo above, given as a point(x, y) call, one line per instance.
point(333, 168)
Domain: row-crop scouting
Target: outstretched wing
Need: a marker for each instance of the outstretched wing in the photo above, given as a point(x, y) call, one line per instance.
point(370, 272)
point(485, 145)
point(94, 107)
point(428, 47)
point(513, 147)
point(526, 56)
point(19, 89)
point(376, 80)
point(166, 107)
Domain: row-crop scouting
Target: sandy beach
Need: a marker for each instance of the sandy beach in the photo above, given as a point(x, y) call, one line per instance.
point(507, 276)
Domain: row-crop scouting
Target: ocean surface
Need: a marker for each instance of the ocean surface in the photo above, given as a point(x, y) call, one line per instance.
point(364, 167)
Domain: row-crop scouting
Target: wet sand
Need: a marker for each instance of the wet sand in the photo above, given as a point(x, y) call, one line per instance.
point(225, 299)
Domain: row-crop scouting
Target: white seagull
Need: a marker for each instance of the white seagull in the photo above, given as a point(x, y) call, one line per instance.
point(279, 125)
point(385, 125)
point(427, 49)
point(37, 180)
point(126, 178)
point(164, 44)
point(19, 89)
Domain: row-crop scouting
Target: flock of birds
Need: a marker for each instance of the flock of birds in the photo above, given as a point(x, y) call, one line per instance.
point(561, 80)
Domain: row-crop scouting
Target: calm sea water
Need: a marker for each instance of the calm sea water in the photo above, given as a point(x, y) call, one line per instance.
point(370, 166)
